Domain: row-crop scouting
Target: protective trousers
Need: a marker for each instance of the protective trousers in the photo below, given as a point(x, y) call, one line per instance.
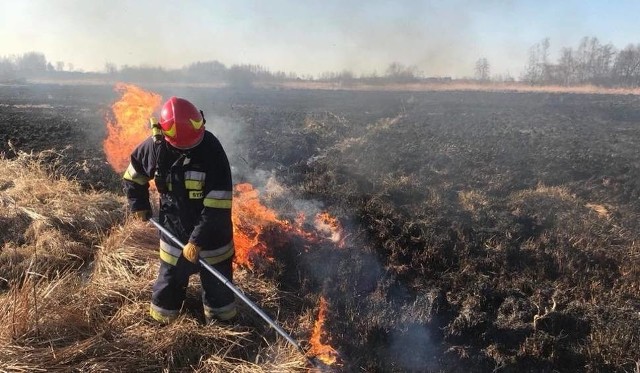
point(170, 288)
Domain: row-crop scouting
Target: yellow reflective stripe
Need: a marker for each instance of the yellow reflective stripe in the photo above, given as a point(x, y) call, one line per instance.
point(227, 315)
point(169, 187)
point(170, 249)
point(220, 199)
point(216, 252)
point(164, 311)
point(193, 184)
point(162, 315)
point(159, 317)
point(194, 179)
point(220, 194)
point(217, 203)
point(168, 258)
point(170, 254)
point(132, 175)
point(222, 313)
point(220, 258)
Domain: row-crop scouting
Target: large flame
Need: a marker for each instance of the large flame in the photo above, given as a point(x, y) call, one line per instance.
point(322, 351)
point(250, 218)
point(130, 123)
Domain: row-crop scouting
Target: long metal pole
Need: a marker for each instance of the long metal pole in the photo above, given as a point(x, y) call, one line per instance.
point(237, 291)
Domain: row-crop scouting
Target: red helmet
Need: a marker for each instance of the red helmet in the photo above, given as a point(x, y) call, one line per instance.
point(182, 123)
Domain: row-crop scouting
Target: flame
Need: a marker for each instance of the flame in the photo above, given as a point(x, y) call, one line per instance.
point(250, 218)
point(323, 352)
point(330, 226)
point(130, 124)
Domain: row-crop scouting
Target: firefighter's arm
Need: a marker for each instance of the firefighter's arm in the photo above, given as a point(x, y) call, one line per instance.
point(136, 181)
point(215, 228)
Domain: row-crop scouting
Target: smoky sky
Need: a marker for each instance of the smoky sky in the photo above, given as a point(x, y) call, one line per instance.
point(437, 37)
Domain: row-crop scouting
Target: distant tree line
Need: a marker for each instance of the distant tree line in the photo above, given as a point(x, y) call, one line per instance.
point(35, 65)
point(592, 62)
point(28, 64)
point(395, 73)
point(201, 72)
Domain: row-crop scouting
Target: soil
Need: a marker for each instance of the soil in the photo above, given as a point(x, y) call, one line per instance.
point(485, 231)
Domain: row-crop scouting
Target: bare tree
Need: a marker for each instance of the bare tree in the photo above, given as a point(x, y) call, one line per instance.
point(593, 60)
point(545, 66)
point(32, 63)
point(626, 68)
point(537, 70)
point(7, 68)
point(110, 68)
point(483, 69)
point(567, 67)
point(399, 73)
point(590, 63)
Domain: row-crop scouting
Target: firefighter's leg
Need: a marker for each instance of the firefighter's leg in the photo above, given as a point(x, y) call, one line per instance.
point(217, 299)
point(170, 289)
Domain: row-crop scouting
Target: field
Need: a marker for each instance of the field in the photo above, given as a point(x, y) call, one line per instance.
point(466, 231)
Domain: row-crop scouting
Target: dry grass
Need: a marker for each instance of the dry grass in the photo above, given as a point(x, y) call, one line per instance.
point(460, 86)
point(76, 283)
point(472, 200)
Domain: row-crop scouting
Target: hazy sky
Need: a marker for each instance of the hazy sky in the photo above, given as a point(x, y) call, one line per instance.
point(442, 38)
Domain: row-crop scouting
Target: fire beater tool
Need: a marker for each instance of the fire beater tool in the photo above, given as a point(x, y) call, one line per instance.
point(313, 361)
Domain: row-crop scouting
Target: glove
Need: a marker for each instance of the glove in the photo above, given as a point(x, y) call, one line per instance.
point(191, 252)
point(143, 215)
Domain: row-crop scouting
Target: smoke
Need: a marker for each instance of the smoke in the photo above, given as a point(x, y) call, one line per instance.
point(433, 38)
point(442, 39)
point(413, 349)
point(229, 131)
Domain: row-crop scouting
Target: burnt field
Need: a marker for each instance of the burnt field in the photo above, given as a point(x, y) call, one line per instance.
point(482, 230)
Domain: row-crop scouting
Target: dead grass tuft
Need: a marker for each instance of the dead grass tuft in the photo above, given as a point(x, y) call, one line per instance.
point(472, 200)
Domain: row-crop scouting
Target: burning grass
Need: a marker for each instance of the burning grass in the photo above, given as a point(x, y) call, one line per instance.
point(77, 279)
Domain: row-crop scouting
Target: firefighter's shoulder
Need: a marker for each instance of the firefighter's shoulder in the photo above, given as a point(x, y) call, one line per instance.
point(212, 143)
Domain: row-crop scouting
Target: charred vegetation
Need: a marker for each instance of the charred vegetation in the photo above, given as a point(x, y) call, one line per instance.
point(482, 231)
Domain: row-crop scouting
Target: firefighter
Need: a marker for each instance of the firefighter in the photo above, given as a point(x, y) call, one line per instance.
point(192, 174)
